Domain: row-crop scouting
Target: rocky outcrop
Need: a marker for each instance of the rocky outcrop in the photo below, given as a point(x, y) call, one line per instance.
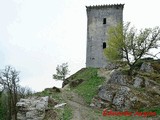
point(121, 92)
point(117, 77)
point(146, 67)
point(76, 82)
point(138, 82)
point(32, 108)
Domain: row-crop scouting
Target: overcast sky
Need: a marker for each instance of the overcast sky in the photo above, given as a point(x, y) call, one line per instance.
point(36, 35)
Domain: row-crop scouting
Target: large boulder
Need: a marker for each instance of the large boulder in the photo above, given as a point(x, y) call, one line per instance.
point(146, 67)
point(121, 100)
point(117, 77)
point(139, 82)
point(121, 93)
point(75, 83)
point(108, 92)
point(122, 97)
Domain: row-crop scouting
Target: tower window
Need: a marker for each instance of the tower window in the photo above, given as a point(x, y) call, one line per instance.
point(104, 45)
point(104, 20)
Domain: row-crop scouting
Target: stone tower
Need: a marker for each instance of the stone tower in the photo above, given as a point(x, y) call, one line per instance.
point(99, 19)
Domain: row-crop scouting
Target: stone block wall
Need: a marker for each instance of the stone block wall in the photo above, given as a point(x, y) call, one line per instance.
point(32, 108)
point(99, 19)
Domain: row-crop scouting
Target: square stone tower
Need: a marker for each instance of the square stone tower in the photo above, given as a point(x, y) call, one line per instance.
point(99, 19)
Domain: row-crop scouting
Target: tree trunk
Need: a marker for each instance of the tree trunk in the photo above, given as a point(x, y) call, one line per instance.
point(130, 73)
point(14, 101)
point(9, 106)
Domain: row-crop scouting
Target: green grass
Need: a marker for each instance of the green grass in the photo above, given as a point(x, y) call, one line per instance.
point(62, 114)
point(133, 117)
point(67, 113)
point(156, 66)
point(55, 95)
point(154, 109)
point(87, 89)
point(140, 89)
point(84, 73)
point(153, 76)
point(99, 113)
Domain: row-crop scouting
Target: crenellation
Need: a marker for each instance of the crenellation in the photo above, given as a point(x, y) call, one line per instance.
point(108, 6)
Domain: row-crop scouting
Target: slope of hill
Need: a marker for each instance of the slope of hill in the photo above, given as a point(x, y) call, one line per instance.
point(88, 92)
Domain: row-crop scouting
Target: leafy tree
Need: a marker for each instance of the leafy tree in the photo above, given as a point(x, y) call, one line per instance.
point(9, 79)
point(61, 71)
point(10, 93)
point(125, 43)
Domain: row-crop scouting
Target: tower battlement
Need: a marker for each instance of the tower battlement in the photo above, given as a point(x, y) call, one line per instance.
point(106, 5)
point(99, 19)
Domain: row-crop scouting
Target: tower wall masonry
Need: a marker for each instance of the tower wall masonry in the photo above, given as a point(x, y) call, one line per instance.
point(99, 20)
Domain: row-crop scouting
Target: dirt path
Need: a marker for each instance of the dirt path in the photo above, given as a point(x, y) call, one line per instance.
point(80, 111)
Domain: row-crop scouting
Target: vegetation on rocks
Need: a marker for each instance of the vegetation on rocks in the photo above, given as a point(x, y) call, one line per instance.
point(90, 90)
point(125, 43)
point(89, 87)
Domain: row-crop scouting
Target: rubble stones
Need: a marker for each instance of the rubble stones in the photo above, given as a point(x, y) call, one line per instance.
point(32, 108)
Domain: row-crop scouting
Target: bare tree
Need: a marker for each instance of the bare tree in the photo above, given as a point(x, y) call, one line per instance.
point(24, 92)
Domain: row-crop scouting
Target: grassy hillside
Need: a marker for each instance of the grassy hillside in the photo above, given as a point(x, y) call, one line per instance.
point(88, 88)
point(85, 83)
